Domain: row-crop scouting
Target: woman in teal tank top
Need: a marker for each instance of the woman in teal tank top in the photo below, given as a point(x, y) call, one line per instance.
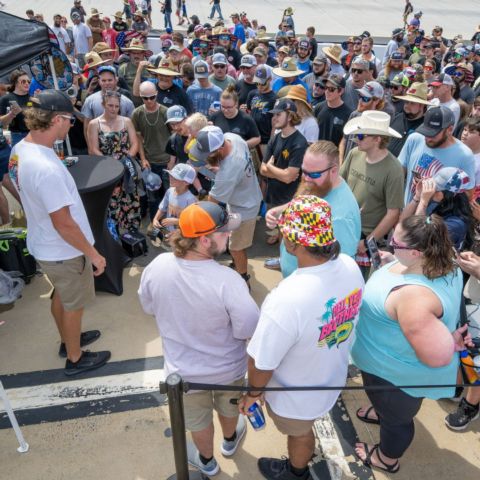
point(407, 335)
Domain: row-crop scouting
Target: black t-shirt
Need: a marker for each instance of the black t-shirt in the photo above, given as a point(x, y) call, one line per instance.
point(288, 152)
point(18, 123)
point(174, 96)
point(176, 147)
point(234, 57)
point(405, 127)
point(314, 46)
point(331, 121)
point(243, 89)
point(120, 26)
point(259, 105)
point(242, 124)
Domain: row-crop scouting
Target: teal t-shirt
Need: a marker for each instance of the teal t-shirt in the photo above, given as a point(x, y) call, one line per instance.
point(346, 226)
point(381, 348)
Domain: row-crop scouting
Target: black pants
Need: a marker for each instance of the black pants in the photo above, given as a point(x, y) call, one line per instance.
point(396, 411)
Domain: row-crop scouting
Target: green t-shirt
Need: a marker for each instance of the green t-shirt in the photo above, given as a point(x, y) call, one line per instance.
point(128, 71)
point(223, 84)
point(377, 187)
point(154, 131)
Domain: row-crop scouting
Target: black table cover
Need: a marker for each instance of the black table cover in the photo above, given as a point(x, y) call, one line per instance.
point(96, 178)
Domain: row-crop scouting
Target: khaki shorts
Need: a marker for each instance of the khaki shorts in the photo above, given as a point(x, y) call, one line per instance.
point(242, 237)
point(199, 406)
point(290, 426)
point(72, 280)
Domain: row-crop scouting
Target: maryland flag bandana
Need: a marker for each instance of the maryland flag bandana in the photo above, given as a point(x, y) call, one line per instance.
point(307, 221)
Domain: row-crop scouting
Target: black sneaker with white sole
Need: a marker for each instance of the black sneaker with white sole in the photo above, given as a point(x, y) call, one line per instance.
point(88, 361)
point(86, 338)
point(465, 414)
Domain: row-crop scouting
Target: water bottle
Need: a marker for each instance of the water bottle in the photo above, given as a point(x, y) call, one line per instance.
point(256, 417)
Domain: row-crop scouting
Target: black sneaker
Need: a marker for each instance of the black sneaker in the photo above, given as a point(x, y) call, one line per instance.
point(88, 361)
point(279, 469)
point(86, 338)
point(465, 414)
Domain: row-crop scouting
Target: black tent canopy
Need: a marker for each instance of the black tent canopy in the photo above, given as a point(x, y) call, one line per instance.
point(20, 41)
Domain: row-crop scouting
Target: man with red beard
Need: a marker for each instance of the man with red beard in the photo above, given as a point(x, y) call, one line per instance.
point(320, 177)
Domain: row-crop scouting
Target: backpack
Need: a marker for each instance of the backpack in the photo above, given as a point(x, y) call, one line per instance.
point(14, 255)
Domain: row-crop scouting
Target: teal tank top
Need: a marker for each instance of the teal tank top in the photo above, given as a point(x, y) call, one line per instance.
point(381, 348)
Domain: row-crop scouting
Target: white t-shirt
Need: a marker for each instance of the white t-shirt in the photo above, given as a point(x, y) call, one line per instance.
point(81, 34)
point(454, 106)
point(204, 315)
point(62, 36)
point(304, 334)
point(309, 129)
point(45, 186)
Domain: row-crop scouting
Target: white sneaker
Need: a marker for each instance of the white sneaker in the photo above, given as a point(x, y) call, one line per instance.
point(193, 455)
point(229, 448)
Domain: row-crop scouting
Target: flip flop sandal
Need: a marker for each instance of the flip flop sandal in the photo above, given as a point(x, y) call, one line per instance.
point(365, 418)
point(368, 460)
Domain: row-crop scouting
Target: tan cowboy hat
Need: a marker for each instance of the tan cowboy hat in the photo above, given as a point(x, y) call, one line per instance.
point(417, 93)
point(135, 45)
point(288, 11)
point(118, 14)
point(298, 92)
point(93, 59)
point(287, 69)
point(138, 13)
point(371, 122)
point(94, 12)
point(333, 52)
point(164, 71)
point(102, 47)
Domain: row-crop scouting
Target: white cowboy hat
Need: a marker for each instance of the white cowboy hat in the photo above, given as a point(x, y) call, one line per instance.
point(371, 122)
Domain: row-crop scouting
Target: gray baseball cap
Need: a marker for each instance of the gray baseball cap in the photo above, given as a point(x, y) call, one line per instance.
point(176, 114)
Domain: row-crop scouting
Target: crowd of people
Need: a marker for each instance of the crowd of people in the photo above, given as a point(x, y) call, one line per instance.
point(353, 158)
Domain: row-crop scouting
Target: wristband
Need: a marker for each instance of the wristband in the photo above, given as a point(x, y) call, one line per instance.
point(249, 393)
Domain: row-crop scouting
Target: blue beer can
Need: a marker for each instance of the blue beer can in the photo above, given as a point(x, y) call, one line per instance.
point(256, 417)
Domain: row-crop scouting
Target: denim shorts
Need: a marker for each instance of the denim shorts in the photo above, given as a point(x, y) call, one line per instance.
point(4, 158)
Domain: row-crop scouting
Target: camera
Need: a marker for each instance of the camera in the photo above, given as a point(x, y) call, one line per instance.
point(72, 91)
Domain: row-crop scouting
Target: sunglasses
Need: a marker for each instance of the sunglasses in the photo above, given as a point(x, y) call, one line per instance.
point(360, 136)
point(315, 175)
point(428, 69)
point(224, 37)
point(357, 43)
point(365, 99)
point(396, 246)
point(261, 84)
point(152, 97)
point(359, 71)
point(331, 89)
point(68, 117)
point(219, 66)
point(25, 82)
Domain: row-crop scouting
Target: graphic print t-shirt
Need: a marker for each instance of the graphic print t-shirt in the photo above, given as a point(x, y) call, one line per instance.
point(304, 334)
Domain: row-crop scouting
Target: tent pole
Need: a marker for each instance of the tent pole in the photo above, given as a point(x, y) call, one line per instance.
point(55, 84)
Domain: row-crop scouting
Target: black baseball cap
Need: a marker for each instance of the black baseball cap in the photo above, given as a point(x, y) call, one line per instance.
point(284, 105)
point(436, 119)
point(52, 100)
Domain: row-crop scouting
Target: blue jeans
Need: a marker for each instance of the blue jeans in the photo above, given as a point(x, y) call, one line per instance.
point(167, 19)
point(17, 137)
point(4, 159)
point(216, 8)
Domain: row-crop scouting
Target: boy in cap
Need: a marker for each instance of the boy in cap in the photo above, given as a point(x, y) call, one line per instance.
point(327, 285)
point(176, 198)
point(203, 94)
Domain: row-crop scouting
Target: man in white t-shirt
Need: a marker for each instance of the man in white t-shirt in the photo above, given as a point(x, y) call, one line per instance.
point(304, 333)
point(82, 39)
point(59, 235)
point(236, 185)
point(205, 315)
point(442, 86)
point(61, 33)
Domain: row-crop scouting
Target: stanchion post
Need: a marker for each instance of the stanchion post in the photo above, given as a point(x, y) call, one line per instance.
point(174, 390)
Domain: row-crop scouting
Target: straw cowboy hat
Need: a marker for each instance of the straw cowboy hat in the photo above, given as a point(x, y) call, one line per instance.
point(138, 13)
point(371, 122)
point(288, 11)
point(164, 71)
point(118, 14)
point(93, 59)
point(298, 92)
point(287, 69)
point(417, 93)
point(135, 45)
point(94, 12)
point(333, 52)
point(102, 47)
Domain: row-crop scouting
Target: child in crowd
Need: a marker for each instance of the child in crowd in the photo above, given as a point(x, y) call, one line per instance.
point(176, 198)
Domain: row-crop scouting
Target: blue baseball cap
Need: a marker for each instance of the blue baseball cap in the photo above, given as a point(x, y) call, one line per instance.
point(176, 114)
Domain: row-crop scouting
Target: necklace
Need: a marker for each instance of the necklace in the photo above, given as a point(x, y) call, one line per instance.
point(146, 117)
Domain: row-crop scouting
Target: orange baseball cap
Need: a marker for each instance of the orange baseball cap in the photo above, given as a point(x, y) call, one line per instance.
point(203, 218)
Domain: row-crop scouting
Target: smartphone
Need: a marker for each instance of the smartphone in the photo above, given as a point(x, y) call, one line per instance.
point(374, 253)
point(207, 173)
point(14, 104)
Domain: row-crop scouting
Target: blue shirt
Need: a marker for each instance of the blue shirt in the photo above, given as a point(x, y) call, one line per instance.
point(202, 98)
point(417, 156)
point(239, 32)
point(279, 83)
point(346, 226)
point(382, 349)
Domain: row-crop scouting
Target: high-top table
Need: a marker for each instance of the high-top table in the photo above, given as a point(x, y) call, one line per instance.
point(96, 178)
